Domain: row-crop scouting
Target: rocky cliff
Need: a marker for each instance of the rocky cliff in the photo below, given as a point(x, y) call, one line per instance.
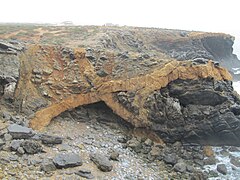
point(168, 82)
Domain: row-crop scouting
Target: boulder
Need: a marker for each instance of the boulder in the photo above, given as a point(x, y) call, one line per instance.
point(170, 159)
point(47, 139)
point(235, 161)
point(222, 169)
point(180, 167)
point(67, 160)
point(47, 166)
point(20, 132)
point(102, 162)
point(31, 147)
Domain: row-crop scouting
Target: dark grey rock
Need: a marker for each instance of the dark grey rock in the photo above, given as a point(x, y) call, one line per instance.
point(235, 161)
point(198, 162)
point(47, 166)
point(20, 132)
point(234, 149)
point(235, 109)
point(222, 169)
point(170, 159)
point(210, 161)
point(102, 162)
point(104, 58)
point(47, 139)
point(180, 167)
point(67, 160)
point(102, 73)
point(85, 173)
point(31, 147)
point(190, 168)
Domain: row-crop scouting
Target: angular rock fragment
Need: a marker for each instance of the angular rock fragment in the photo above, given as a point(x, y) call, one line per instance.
point(67, 160)
point(47, 166)
point(222, 169)
point(47, 139)
point(85, 173)
point(20, 132)
point(31, 147)
point(102, 162)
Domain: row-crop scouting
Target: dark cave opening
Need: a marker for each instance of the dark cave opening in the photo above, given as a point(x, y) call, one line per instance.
point(98, 112)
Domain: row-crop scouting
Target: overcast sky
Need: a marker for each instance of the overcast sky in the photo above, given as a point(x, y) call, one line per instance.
point(205, 15)
point(209, 15)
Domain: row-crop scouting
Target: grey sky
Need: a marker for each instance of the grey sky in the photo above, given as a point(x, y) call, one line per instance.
point(205, 15)
point(209, 15)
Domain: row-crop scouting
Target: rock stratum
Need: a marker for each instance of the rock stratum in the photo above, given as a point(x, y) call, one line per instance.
point(168, 82)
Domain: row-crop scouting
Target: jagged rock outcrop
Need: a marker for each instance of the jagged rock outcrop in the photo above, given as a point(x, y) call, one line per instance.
point(191, 100)
point(9, 68)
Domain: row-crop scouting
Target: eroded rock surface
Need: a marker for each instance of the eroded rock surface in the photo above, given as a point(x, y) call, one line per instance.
point(169, 84)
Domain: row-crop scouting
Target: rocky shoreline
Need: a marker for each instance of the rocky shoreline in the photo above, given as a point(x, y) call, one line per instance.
point(118, 103)
point(97, 150)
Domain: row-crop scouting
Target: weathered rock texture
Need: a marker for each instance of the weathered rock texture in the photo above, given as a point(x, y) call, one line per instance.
point(190, 100)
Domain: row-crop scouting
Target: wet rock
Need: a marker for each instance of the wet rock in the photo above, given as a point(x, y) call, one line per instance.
point(102, 162)
point(235, 109)
point(47, 166)
point(85, 173)
point(234, 149)
point(20, 132)
point(180, 167)
point(170, 159)
point(222, 169)
point(67, 160)
point(210, 161)
point(235, 161)
point(213, 173)
point(47, 139)
point(31, 147)
point(224, 152)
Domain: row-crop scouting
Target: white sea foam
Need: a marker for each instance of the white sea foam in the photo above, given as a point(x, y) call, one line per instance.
point(236, 86)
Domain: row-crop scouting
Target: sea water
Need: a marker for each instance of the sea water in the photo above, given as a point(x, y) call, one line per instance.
point(233, 171)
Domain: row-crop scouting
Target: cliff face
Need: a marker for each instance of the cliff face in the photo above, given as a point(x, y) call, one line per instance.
point(191, 100)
